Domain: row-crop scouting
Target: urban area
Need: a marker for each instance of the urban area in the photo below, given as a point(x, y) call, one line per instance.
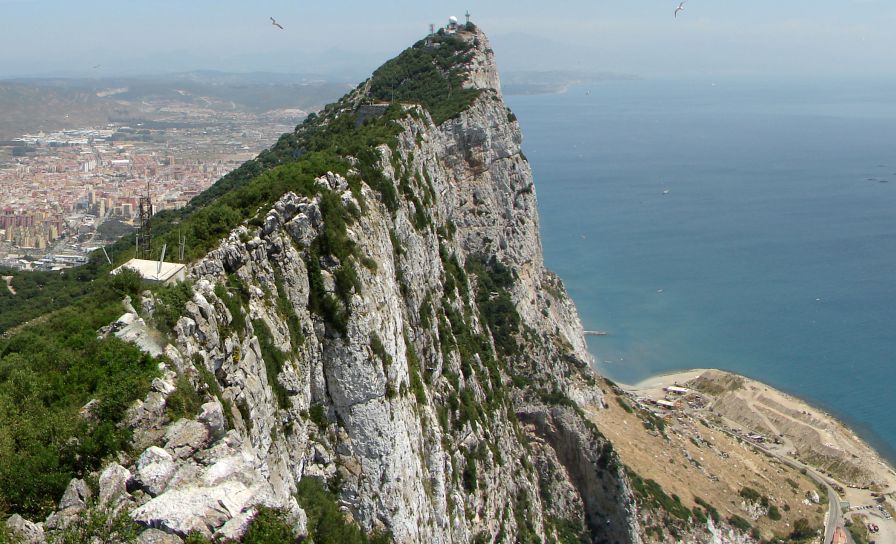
point(69, 192)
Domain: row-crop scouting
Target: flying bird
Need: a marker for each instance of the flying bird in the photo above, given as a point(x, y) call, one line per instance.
point(275, 23)
point(680, 8)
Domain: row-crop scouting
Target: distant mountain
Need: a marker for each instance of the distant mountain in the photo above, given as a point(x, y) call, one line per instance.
point(331, 63)
point(33, 104)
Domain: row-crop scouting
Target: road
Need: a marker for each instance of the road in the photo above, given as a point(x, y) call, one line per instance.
point(835, 514)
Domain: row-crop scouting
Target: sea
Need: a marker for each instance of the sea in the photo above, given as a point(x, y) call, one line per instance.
point(742, 224)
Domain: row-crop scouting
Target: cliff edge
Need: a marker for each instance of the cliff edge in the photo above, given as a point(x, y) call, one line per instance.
point(369, 344)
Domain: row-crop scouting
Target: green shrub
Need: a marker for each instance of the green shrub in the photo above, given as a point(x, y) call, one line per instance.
point(326, 523)
point(710, 509)
point(269, 526)
point(431, 76)
point(48, 372)
point(625, 405)
point(802, 529)
point(184, 402)
point(98, 526)
point(494, 281)
point(274, 360)
point(739, 523)
point(196, 538)
point(414, 371)
point(318, 415)
point(171, 302)
point(653, 497)
point(127, 283)
point(750, 494)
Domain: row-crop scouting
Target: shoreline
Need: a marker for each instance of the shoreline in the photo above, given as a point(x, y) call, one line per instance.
point(784, 427)
point(862, 431)
point(683, 376)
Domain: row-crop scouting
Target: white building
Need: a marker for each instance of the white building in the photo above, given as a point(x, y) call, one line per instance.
point(156, 271)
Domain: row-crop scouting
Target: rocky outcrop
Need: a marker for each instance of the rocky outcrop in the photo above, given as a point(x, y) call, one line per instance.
point(433, 371)
point(24, 530)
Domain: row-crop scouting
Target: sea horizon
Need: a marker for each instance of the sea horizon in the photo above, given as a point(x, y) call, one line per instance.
point(738, 223)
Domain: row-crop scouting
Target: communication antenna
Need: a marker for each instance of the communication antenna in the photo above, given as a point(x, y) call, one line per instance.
point(432, 29)
point(468, 17)
point(161, 259)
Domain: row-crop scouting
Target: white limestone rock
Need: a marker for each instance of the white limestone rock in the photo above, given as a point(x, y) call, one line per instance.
point(27, 531)
point(113, 485)
point(155, 468)
point(212, 416)
point(185, 437)
point(155, 536)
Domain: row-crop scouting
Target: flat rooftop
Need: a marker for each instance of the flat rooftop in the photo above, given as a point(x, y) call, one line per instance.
point(151, 270)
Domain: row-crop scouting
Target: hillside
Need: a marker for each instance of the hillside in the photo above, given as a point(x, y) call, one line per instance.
point(368, 349)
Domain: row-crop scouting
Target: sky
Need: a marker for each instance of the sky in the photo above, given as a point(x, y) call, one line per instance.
point(711, 38)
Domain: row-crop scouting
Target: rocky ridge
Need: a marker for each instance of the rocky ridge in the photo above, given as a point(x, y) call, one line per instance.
point(433, 377)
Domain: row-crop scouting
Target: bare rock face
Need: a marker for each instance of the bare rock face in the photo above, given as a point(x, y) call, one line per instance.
point(155, 468)
point(186, 437)
point(414, 415)
point(72, 504)
point(212, 416)
point(75, 497)
point(25, 530)
point(433, 401)
point(155, 536)
point(113, 485)
point(199, 509)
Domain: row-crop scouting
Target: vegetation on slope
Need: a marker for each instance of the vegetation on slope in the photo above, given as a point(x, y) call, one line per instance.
point(51, 361)
point(322, 143)
point(429, 75)
point(48, 372)
point(326, 522)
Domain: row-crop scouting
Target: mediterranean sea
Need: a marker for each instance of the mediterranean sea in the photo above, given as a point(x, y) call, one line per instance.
point(738, 224)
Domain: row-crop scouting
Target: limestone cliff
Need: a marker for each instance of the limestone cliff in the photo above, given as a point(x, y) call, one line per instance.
point(437, 430)
point(392, 332)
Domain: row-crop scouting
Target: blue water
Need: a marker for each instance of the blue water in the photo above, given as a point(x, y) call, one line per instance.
point(772, 255)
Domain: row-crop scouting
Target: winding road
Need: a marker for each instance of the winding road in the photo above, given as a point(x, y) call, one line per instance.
point(834, 518)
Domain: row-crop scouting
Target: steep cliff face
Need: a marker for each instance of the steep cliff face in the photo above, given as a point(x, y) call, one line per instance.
point(386, 331)
point(439, 398)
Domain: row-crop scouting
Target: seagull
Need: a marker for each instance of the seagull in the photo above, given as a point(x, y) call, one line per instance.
point(275, 23)
point(680, 8)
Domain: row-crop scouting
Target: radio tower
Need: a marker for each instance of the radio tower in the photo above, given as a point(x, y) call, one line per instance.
point(144, 234)
point(468, 17)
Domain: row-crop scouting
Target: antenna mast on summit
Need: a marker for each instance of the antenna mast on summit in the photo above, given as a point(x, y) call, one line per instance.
point(468, 17)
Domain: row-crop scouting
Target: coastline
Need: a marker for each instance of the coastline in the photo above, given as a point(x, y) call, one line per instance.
point(683, 377)
point(786, 427)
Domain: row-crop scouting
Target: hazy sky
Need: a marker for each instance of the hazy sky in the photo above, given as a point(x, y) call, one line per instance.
point(712, 37)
